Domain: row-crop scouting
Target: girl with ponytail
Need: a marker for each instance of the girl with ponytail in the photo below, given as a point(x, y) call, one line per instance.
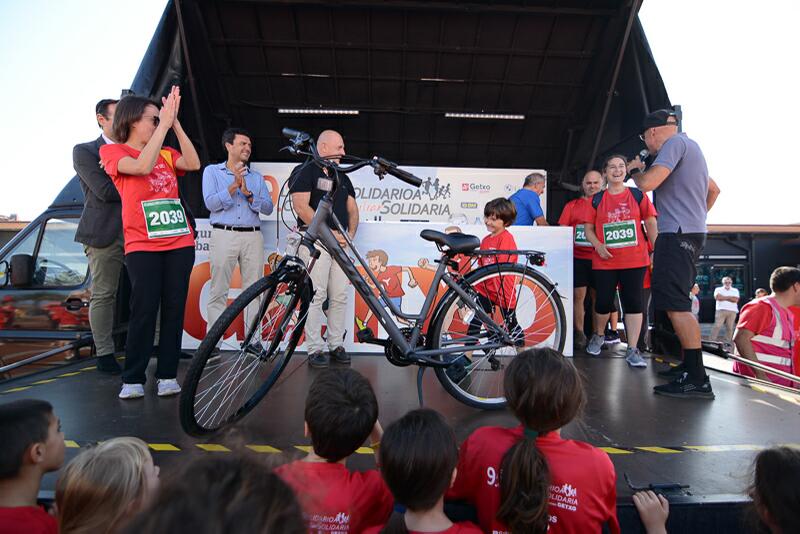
point(418, 456)
point(528, 479)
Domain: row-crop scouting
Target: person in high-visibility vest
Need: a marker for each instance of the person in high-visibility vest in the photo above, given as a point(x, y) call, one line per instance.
point(766, 332)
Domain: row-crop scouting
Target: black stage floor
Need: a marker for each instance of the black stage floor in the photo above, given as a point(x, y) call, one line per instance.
point(708, 445)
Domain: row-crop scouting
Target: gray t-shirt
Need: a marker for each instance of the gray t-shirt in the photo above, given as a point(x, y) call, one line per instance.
point(681, 198)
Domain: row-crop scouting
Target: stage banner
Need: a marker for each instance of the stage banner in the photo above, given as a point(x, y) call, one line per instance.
point(448, 194)
point(405, 261)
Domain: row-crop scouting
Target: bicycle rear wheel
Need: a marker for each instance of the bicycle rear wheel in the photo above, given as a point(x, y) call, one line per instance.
point(223, 385)
point(475, 376)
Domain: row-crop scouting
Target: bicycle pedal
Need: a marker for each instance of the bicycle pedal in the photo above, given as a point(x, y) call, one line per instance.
point(365, 335)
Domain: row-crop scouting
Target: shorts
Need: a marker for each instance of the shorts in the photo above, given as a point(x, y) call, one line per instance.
point(581, 273)
point(675, 270)
point(630, 282)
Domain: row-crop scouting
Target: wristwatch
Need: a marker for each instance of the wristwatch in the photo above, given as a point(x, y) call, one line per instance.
point(248, 196)
point(634, 171)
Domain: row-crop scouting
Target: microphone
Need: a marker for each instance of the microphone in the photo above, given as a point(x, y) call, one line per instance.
point(296, 135)
point(643, 155)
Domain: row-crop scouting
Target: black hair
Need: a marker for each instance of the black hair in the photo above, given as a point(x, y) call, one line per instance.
point(101, 108)
point(501, 208)
point(341, 410)
point(418, 454)
point(129, 110)
point(545, 392)
point(775, 491)
point(233, 493)
point(783, 278)
point(22, 424)
point(230, 134)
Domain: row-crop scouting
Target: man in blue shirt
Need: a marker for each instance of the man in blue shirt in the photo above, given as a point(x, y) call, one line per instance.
point(235, 196)
point(526, 200)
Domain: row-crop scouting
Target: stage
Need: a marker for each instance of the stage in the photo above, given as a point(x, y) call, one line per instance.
point(707, 445)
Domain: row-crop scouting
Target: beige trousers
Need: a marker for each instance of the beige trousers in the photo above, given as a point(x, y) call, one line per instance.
point(105, 265)
point(725, 318)
point(227, 249)
point(330, 283)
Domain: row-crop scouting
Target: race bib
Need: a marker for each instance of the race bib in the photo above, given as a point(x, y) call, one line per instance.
point(620, 234)
point(580, 236)
point(164, 218)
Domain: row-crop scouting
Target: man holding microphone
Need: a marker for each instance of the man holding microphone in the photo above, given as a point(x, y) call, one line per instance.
point(683, 193)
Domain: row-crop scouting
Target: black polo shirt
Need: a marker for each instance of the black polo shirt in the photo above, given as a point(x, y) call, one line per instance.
point(304, 180)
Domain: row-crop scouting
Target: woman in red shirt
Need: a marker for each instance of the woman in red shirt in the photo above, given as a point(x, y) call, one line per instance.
point(621, 254)
point(529, 479)
point(159, 240)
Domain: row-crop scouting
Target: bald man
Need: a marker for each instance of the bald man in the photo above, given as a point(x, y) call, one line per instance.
point(573, 215)
point(330, 282)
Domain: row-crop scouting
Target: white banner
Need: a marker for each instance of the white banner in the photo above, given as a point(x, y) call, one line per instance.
point(404, 249)
point(448, 194)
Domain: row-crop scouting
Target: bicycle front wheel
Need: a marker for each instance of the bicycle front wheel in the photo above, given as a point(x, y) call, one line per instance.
point(227, 379)
point(519, 300)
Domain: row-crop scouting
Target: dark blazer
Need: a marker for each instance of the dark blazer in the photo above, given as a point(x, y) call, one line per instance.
point(101, 220)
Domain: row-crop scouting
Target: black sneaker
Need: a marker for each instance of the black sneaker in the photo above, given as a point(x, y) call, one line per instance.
point(682, 387)
point(108, 364)
point(340, 355)
point(673, 372)
point(319, 360)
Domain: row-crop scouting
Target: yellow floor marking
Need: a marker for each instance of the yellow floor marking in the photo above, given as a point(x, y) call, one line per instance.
point(71, 444)
point(92, 368)
point(304, 448)
point(212, 447)
point(364, 450)
point(614, 450)
point(47, 381)
point(69, 374)
point(263, 448)
point(163, 447)
point(724, 448)
point(660, 450)
point(22, 388)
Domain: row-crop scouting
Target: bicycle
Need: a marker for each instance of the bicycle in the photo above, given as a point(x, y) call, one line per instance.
point(468, 340)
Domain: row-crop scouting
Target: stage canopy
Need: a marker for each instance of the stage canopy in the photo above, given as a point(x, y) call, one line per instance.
point(403, 65)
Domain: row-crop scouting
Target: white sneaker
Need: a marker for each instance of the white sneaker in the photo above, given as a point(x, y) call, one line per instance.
point(167, 387)
point(132, 391)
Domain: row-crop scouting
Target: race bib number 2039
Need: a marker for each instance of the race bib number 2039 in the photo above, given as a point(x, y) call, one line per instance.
point(165, 218)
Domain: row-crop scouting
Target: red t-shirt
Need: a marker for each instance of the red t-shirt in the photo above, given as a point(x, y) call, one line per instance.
point(622, 220)
point(505, 297)
point(755, 316)
point(575, 214)
point(583, 492)
point(335, 499)
point(796, 313)
point(27, 520)
point(465, 527)
point(164, 233)
point(390, 279)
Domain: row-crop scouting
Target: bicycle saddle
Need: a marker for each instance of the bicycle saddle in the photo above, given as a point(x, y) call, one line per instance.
point(454, 243)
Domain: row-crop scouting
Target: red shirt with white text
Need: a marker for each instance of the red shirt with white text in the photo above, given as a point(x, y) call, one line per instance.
point(503, 295)
point(583, 492)
point(575, 215)
point(335, 499)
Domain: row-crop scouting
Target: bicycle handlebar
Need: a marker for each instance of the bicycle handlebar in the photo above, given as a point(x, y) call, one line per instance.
point(381, 166)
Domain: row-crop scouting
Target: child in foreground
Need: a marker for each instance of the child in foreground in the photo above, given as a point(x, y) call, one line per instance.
point(418, 457)
point(529, 479)
point(103, 487)
point(33, 445)
point(341, 413)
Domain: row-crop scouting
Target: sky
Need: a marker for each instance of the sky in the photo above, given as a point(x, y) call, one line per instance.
point(731, 65)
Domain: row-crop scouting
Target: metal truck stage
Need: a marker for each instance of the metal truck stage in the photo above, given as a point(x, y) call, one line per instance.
point(705, 445)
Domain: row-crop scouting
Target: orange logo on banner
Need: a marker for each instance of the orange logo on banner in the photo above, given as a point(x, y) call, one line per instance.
point(272, 185)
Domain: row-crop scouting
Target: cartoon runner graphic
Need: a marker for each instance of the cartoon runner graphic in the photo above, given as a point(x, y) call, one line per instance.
point(390, 277)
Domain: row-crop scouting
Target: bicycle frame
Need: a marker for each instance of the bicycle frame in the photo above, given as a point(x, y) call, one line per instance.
point(319, 231)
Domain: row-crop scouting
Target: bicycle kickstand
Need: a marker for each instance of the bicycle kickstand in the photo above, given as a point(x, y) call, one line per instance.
point(420, 373)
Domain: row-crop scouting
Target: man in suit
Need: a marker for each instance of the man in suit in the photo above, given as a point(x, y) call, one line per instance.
point(100, 232)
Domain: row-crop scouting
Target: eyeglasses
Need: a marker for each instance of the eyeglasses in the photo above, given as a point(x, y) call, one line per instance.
point(156, 120)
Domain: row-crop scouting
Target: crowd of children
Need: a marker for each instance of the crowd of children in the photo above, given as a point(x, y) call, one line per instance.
point(524, 479)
